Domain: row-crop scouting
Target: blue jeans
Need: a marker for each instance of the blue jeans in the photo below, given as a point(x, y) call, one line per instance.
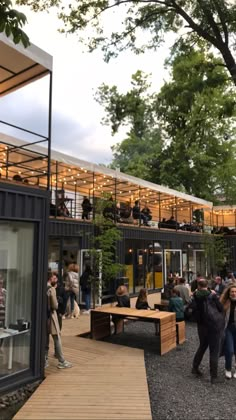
point(87, 297)
point(230, 346)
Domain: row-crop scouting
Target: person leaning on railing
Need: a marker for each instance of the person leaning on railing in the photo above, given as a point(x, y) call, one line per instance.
point(86, 207)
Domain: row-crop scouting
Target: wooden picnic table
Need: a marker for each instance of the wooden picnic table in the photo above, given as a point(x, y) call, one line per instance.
point(165, 323)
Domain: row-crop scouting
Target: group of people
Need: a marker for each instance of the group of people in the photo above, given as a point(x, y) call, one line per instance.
point(213, 306)
point(123, 299)
point(60, 209)
point(122, 213)
point(171, 223)
point(214, 310)
point(61, 300)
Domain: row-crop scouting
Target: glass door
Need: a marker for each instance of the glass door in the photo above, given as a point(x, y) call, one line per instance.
point(200, 262)
point(173, 263)
point(85, 258)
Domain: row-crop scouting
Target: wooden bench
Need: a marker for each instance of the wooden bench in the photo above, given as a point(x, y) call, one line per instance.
point(180, 332)
point(165, 324)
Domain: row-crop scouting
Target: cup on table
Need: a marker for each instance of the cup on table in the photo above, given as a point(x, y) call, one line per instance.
point(20, 324)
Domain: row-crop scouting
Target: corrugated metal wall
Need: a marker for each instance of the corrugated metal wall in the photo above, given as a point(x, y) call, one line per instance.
point(26, 204)
point(22, 202)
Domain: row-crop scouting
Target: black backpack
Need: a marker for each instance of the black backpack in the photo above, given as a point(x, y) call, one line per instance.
point(214, 314)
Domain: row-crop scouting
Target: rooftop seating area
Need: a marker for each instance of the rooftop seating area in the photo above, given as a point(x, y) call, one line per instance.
point(71, 180)
point(78, 186)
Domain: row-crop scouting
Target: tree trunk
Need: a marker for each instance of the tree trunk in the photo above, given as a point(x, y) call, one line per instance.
point(230, 62)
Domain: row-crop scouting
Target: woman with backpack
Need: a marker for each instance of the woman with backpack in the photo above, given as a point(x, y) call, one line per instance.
point(228, 300)
point(209, 315)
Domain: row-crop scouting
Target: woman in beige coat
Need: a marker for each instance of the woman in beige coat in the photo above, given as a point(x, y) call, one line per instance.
point(53, 325)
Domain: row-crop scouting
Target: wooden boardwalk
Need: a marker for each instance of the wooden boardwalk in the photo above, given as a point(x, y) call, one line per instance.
point(106, 382)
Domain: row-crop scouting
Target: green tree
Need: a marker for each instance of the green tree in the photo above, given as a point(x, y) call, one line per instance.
point(103, 245)
point(11, 22)
point(216, 253)
point(197, 113)
point(213, 21)
point(187, 141)
point(135, 110)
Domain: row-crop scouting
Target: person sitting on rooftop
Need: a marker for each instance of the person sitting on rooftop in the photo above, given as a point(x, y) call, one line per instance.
point(125, 210)
point(147, 212)
point(138, 215)
point(17, 178)
point(172, 223)
point(110, 211)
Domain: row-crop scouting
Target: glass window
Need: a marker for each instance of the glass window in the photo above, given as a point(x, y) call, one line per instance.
point(188, 264)
point(70, 253)
point(154, 277)
point(200, 262)
point(16, 271)
point(139, 264)
point(129, 272)
point(173, 263)
point(54, 255)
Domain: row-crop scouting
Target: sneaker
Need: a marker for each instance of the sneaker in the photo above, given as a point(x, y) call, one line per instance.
point(197, 371)
point(234, 375)
point(64, 365)
point(228, 374)
point(63, 317)
point(86, 312)
point(112, 328)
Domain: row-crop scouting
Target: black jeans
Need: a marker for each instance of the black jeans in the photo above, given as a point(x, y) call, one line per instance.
point(211, 339)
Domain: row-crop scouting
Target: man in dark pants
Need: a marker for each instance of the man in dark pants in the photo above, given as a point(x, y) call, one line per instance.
point(210, 335)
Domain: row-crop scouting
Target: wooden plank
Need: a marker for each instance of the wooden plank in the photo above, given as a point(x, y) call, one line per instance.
point(100, 325)
point(180, 332)
point(95, 385)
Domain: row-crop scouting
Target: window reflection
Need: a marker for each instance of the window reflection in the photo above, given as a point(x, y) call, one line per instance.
point(173, 263)
point(144, 265)
point(16, 266)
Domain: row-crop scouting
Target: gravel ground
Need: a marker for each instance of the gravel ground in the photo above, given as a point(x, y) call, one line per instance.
point(174, 392)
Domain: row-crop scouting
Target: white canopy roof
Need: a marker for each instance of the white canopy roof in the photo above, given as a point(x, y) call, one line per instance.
point(226, 207)
point(99, 169)
point(20, 66)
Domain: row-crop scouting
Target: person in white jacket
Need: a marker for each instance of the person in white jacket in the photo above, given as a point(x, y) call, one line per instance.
point(72, 286)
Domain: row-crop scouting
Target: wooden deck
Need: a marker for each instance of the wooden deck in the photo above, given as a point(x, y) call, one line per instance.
point(106, 382)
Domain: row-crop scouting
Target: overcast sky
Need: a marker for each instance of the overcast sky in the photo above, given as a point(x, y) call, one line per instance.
point(76, 76)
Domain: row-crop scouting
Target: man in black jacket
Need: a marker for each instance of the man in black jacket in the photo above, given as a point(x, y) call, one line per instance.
point(208, 312)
